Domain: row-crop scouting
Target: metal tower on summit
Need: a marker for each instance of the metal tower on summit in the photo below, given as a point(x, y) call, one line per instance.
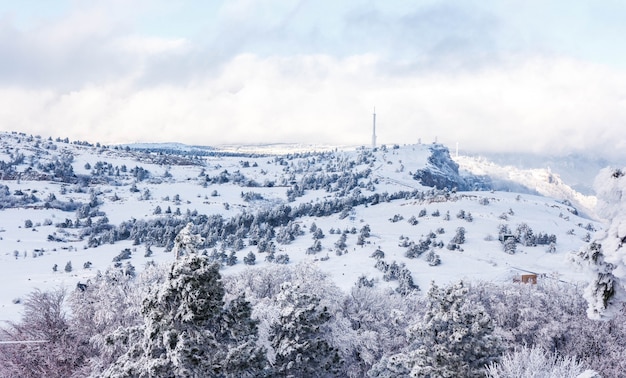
point(374, 130)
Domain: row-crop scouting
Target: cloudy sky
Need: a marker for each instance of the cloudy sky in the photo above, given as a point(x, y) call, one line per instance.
point(536, 76)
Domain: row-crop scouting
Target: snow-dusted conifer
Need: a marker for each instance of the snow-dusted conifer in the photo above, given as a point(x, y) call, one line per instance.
point(459, 237)
point(406, 285)
point(605, 256)
point(250, 258)
point(296, 337)
point(186, 242)
point(187, 332)
point(455, 338)
point(510, 246)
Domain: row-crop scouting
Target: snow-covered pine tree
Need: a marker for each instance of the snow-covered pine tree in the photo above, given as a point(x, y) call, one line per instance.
point(186, 242)
point(455, 338)
point(459, 237)
point(510, 245)
point(406, 285)
point(250, 258)
point(296, 337)
point(187, 330)
point(239, 335)
point(605, 256)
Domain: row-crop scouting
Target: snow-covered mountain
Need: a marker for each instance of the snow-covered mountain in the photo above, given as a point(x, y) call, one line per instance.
point(71, 209)
point(541, 181)
point(575, 169)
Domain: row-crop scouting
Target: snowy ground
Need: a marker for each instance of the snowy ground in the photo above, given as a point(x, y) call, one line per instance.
point(27, 256)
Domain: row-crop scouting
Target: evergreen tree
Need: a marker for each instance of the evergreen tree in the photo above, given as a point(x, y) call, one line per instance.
point(250, 258)
point(186, 242)
point(406, 285)
point(455, 338)
point(510, 246)
point(296, 337)
point(459, 238)
point(187, 330)
point(605, 258)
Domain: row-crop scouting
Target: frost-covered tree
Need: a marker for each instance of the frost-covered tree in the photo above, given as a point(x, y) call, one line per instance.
point(186, 242)
point(318, 233)
point(525, 236)
point(363, 281)
point(455, 338)
point(231, 259)
point(299, 346)
point(536, 363)
point(605, 256)
point(108, 303)
point(406, 285)
point(341, 242)
point(250, 258)
point(380, 318)
point(45, 344)
point(432, 258)
point(459, 237)
point(283, 258)
point(316, 247)
point(510, 245)
point(188, 330)
point(378, 254)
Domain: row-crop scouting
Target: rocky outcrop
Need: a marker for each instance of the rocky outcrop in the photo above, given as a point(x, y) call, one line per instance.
point(441, 172)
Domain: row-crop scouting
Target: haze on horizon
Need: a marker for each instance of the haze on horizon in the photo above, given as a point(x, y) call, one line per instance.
point(516, 76)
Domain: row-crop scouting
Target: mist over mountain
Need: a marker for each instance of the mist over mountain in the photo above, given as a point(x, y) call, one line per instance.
point(577, 170)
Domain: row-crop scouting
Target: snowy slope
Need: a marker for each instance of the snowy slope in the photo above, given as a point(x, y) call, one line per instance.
point(112, 179)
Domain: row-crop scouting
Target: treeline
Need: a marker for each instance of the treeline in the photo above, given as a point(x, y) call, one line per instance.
point(215, 229)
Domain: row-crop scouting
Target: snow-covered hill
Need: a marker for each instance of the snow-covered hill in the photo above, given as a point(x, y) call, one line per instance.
point(83, 204)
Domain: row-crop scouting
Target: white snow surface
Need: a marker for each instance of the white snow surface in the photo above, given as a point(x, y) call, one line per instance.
point(27, 257)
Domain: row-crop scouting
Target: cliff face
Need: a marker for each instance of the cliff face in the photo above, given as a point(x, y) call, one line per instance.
point(441, 171)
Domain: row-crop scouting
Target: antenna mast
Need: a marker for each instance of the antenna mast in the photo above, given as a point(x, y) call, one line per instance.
point(374, 130)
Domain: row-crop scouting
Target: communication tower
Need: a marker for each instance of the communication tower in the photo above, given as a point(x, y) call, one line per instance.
point(374, 130)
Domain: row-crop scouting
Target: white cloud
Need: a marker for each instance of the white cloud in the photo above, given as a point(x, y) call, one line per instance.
point(533, 104)
point(277, 71)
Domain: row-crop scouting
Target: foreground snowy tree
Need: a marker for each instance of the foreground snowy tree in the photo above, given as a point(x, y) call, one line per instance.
point(536, 363)
point(378, 318)
point(105, 305)
point(455, 338)
point(605, 257)
point(45, 344)
point(297, 340)
point(188, 331)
